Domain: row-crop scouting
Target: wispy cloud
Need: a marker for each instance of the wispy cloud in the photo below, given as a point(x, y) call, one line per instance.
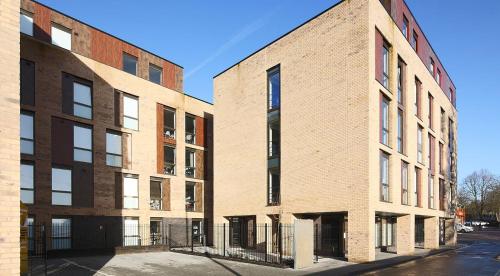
point(245, 32)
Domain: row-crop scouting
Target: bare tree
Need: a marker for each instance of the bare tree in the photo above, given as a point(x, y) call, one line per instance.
point(476, 188)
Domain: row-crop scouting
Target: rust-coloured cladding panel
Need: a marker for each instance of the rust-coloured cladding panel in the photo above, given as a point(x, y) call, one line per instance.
point(198, 204)
point(379, 43)
point(199, 164)
point(82, 185)
point(398, 11)
point(169, 75)
point(127, 150)
point(105, 49)
point(62, 142)
point(27, 82)
point(200, 131)
point(42, 23)
point(179, 79)
point(165, 194)
point(159, 139)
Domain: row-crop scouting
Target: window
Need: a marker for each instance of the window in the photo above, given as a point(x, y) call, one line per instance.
point(130, 192)
point(27, 182)
point(61, 36)
point(82, 143)
point(82, 100)
point(420, 146)
point(27, 133)
point(441, 194)
point(61, 186)
point(169, 123)
point(26, 21)
point(401, 80)
point(430, 150)
point(61, 233)
point(274, 187)
point(274, 88)
point(190, 129)
point(385, 60)
point(155, 195)
point(432, 67)
point(443, 123)
point(406, 28)
point(169, 160)
point(155, 73)
point(416, 188)
point(190, 163)
point(441, 156)
point(113, 149)
point(274, 139)
point(129, 64)
point(404, 183)
point(414, 41)
point(384, 177)
point(130, 112)
point(190, 196)
point(431, 191)
point(452, 96)
point(401, 130)
point(431, 111)
point(131, 231)
point(384, 124)
point(418, 100)
point(438, 76)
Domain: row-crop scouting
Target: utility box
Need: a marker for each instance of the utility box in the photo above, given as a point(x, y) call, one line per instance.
point(303, 243)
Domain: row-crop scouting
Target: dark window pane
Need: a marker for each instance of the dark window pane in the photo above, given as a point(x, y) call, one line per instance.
point(169, 118)
point(155, 189)
point(155, 74)
point(130, 64)
point(190, 124)
point(169, 155)
point(274, 90)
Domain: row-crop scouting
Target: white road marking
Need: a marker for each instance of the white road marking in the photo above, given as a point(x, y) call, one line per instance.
point(68, 262)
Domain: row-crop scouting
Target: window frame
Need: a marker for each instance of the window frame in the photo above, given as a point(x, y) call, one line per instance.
point(385, 120)
point(405, 191)
point(188, 153)
point(29, 15)
point(417, 187)
point(160, 198)
point(406, 27)
point(386, 63)
point(75, 148)
point(136, 197)
point(420, 144)
point(132, 97)
point(70, 192)
point(32, 189)
point(125, 54)
point(27, 139)
point(108, 153)
point(401, 146)
point(190, 117)
point(384, 186)
point(431, 191)
point(168, 128)
point(276, 70)
point(193, 201)
point(62, 29)
point(165, 163)
point(66, 237)
point(83, 104)
point(157, 68)
point(414, 41)
point(430, 99)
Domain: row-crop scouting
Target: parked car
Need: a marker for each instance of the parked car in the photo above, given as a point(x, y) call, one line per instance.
point(463, 228)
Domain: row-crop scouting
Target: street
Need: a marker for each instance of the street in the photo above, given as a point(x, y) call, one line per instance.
point(477, 257)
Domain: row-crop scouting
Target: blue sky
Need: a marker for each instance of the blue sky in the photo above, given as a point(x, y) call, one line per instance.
point(206, 37)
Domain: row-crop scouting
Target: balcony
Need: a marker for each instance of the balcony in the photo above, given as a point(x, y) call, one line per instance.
point(155, 203)
point(190, 171)
point(169, 169)
point(169, 133)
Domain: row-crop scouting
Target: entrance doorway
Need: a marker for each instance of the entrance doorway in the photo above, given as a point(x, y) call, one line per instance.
point(242, 231)
point(419, 232)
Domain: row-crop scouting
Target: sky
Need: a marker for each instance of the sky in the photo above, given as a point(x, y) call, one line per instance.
point(206, 37)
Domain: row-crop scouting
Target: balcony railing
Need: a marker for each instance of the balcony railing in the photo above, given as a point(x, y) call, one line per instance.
point(155, 203)
point(169, 132)
point(190, 171)
point(190, 138)
point(189, 205)
point(169, 169)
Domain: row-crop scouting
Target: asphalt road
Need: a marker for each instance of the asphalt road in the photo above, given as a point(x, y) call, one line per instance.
point(479, 256)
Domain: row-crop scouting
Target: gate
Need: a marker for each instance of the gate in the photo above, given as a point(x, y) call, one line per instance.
point(37, 249)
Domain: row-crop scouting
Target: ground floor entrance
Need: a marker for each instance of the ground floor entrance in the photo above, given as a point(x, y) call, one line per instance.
point(385, 233)
point(419, 232)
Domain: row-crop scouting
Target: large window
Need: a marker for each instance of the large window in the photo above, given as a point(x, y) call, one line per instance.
point(384, 177)
point(155, 73)
point(190, 163)
point(416, 187)
point(274, 88)
point(431, 111)
point(401, 82)
point(386, 64)
point(61, 186)
point(420, 146)
point(27, 182)
point(82, 143)
point(418, 86)
point(113, 149)
point(130, 192)
point(384, 123)
point(26, 22)
point(169, 160)
point(130, 112)
point(406, 27)
point(131, 231)
point(61, 36)
point(404, 183)
point(190, 196)
point(82, 100)
point(274, 139)
point(129, 64)
point(190, 129)
point(27, 133)
point(155, 195)
point(401, 129)
point(169, 122)
point(61, 233)
point(431, 191)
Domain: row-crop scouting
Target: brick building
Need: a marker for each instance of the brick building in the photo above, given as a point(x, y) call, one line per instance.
point(108, 136)
point(349, 120)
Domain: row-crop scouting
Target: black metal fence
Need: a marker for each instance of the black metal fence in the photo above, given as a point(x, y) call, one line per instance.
point(37, 248)
point(261, 243)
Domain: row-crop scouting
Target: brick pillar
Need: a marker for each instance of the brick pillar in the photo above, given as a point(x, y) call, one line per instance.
point(9, 138)
point(431, 233)
point(361, 236)
point(405, 235)
point(449, 232)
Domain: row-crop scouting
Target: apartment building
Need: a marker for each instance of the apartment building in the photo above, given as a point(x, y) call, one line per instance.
point(348, 120)
point(108, 136)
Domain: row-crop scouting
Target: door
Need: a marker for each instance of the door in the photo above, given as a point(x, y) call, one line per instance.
point(155, 232)
point(419, 232)
point(197, 232)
